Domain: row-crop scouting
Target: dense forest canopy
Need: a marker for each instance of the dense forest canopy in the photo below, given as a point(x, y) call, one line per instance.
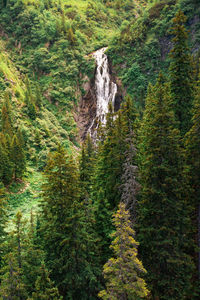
point(99, 203)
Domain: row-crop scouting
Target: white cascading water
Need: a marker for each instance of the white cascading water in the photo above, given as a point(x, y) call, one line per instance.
point(105, 89)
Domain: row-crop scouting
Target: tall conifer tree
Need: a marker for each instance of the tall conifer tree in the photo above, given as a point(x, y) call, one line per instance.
point(192, 153)
point(66, 240)
point(18, 158)
point(163, 209)
point(86, 166)
point(3, 217)
point(12, 275)
point(181, 74)
point(123, 271)
point(129, 187)
point(44, 287)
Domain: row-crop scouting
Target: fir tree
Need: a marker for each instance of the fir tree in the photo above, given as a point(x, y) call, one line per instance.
point(44, 287)
point(6, 167)
point(38, 97)
point(129, 187)
point(109, 163)
point(192, 154)
point(6, 120)
point(103, 226)
point(33, 258)
point(12, 277)
point(115, 172)
point(12, 285)
point(86, 167)
point(3, 217)
point(123, 271)
point(30, 100)
point(18, 158)
point(163, 208)
point(64, 230)
point(181, 74)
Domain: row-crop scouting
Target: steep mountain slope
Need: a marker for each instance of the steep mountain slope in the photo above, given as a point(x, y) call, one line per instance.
point(43, 65)
point(44, 59)
point(140, 48)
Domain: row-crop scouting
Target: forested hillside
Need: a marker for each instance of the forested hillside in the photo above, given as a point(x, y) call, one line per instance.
point(99, 149)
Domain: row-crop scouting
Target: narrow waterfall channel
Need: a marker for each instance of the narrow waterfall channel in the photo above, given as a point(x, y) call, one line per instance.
point(105, 89)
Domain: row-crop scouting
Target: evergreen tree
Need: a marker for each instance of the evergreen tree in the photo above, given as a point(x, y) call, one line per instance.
point(18, 158)
point(122, 273)
point(109, 164)
point(6, 166)
point(6, 120)
point(115, 172)
point(3, 218)
point(129, 187)
point(33, 258)
point(12, 277)
point(86, 167)
point(30, 100)
point(44, 287)
point(103, 226)
point(106, 190)
point(12, 286)
point(181, 74)
point(64, 230)
point(38, 97)
point(163, 208)
point(192, 154)
point(20, 138)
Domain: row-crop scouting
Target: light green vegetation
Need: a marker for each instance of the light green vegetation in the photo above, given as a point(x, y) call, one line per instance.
point(10, 73)
point(24, 196)
point(140, 49)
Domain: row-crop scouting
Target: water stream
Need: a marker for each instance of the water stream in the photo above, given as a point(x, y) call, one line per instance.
point(104, 87)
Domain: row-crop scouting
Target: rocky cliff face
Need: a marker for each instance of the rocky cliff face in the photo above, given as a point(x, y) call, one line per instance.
point(99, 92)
point(87, 108)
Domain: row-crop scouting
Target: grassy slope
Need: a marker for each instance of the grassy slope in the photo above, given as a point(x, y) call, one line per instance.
point(39, 46)
point(140, 49)
point(33, 42)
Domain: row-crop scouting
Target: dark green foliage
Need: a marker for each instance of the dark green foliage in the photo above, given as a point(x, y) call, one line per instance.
point(6, 168)
point(129, 186)
point(38, 97)
point(103, 226)
point(115, 171)
point(12, 277)
point(22, 261)
point(109, 163)
point(6, 120)
point(45, 289)
point(86, 167)
point(12, 152)
point(163, 207)
point(30, 100)
point(17, 157)
point(12, 286)
point(66, 241)
point(33, 258)
point(50, 43)
point(192, 154)
point(181, 74)
point(3, 215)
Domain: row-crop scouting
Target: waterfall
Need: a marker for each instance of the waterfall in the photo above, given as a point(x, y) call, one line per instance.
point(105, 89)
